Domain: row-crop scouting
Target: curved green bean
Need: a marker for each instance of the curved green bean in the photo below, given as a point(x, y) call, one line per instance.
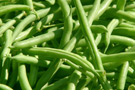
point(5, 87)
point(23, 77)
point(110, 28)
point(10, 8)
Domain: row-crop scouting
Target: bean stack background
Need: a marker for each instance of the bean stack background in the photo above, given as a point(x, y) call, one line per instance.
point(67, 45)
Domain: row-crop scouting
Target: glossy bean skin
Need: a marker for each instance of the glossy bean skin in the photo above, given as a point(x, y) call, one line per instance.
point(124, 31)
point(29, 19)
point(38, 39)
point(4, 27)
point(68, 24)
point(23, 77)
point(121, 57)
point(62, 53)
point(88, 33)
point(122, 76)
point(5, 87)
point(10, 8)
point(110, 28)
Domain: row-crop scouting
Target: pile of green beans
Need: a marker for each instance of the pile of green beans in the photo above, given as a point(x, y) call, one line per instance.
point(67, 45)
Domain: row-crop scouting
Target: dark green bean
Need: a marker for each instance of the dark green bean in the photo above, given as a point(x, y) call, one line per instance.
point(121, 4)
point(5, 52)
point(33, 75)
point(57, 84)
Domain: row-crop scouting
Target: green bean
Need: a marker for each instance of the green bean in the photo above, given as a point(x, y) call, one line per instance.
point(88, 34)
point(120, 57)
point(33, 75)
point(98, 29)
point(124, 31)
point(92, 13)
point(103, 7)
point(14, 74)
point(111, 65)
point(57, 84)
point(60, 54)
point(5, 52)
point(122, 76)
point(29, 19)
point(121, 4)
point(130, 6)
point(5, 87)
point(116, 49)
point(83, 82)
point(37, 28)
point(39, 4)
point(23, 77)
point(68, 24)
point(10, 8)
point(29, 3)
point(127, 25)
point(4, 27)
point(131, 72)
point(114, 39)
point(110, 28)
point(23, 34)
point(122, 40)
point(29, 60)
point(51, 69)
point(50, 72)
point(38, 39)
point(131, 87)
point(63, 54)
point(51, 2)
point(73, 80)
point(125, 15)
point(1, 23)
